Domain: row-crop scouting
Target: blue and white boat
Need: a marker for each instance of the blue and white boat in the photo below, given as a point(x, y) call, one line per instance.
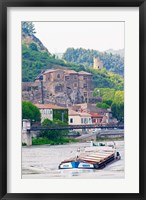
point(95, 157)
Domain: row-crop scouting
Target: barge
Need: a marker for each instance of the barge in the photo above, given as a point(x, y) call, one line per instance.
point(95, 157)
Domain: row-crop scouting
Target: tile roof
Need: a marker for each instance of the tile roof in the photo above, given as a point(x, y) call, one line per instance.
point(70, 71)
point(66, 71)
point(91, 108)
point(72, 112)
point(96, 115)
point(49, 106)
point(51, 70)
point(84, 73)
point(81, 114)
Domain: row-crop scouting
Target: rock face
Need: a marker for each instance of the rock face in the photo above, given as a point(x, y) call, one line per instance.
point(28, 39)
point(33, 92)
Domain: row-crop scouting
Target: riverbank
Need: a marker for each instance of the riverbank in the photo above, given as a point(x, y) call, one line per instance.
point(45, 140)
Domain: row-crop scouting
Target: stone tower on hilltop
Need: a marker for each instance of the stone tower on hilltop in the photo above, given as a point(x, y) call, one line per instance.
point(97, 63)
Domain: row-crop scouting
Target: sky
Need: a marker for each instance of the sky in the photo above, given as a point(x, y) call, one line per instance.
point(101, 36)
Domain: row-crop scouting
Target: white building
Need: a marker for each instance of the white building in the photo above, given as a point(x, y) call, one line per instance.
point(79, 118)
point(46, 110)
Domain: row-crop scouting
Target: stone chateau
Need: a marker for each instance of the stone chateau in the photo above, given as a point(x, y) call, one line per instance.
point(61, 87)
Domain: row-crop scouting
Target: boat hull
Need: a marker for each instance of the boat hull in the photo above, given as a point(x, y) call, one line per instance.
point(76, 164)
point(82, 164)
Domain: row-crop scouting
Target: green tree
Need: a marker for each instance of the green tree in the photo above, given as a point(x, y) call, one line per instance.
point(30, 111)
point(107, 94)
point(28, 28)
point(61, 115)
point(118, 106)
point(102, 105)
point(112, 62)
point(119, 97)
point(50, 134)
point(53, 134)
point(108, 102)
point(34, 61)
point(33, 47)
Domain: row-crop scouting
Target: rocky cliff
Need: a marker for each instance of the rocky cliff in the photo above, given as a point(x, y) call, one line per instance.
point(31, 91)
point(28, 39)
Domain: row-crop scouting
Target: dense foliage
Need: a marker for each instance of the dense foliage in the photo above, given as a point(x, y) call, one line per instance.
point(113, 63)
point(107, 94)
point(28, 28)
point(61, 114)
point(45, 140)
point(118, 106)
point(53, 134)
point(102, 105)
point(111, 99)
point(30, 111)
point(104, 79)
point(34, 61)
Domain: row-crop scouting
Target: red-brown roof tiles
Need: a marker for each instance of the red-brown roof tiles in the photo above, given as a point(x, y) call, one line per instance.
point(49, 106)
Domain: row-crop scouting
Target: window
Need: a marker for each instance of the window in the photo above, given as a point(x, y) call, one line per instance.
point(85, 77)
point(58, 75)
point(85, 85)
point(82, 120)
point(59, 88)
point(66, 78)
point(48, 111)
point(85, 120)
point(85, 94)
point(75, 84)
point(71, 120)
point(94, 120)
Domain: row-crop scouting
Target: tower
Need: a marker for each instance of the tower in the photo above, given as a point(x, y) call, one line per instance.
point(97, 64)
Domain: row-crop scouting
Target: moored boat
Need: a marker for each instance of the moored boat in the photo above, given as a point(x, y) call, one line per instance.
point(95, 157)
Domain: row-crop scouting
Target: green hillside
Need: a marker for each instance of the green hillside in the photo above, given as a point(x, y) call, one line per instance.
point(35, 61)
point(112, 62)
point(36, 58)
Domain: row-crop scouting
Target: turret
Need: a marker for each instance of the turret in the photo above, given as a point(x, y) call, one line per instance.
point(97, 64)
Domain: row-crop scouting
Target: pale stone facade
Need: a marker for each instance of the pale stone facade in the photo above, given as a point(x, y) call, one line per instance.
point(79, 118)
point(61, 87)
point(97, 64)
point(77, 86)
point(46, 110)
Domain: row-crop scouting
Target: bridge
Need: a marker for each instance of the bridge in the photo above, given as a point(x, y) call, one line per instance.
point(28, 130)
point(71, 127)
point(100, 133)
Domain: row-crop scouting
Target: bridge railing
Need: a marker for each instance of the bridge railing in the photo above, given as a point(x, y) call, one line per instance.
point(71, 127)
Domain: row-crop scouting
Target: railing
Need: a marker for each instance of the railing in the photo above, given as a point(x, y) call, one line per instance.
point(71, 127)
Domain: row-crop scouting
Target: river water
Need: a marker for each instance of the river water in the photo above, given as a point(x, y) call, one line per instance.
point(42, 162)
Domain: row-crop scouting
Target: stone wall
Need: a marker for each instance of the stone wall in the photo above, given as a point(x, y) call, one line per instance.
point(32, 92)
point(58, 89)
point(26, 138)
